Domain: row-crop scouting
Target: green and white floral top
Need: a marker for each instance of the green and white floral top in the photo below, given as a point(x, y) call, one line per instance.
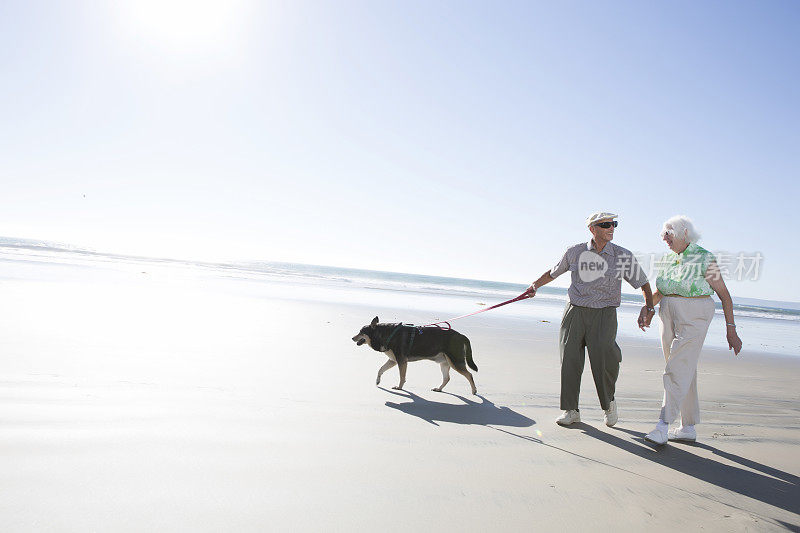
point(684, 274)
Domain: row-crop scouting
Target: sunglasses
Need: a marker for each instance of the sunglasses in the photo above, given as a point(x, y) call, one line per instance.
point(606, 225)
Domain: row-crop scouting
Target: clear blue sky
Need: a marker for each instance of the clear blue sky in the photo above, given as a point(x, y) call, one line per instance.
point(449, 138)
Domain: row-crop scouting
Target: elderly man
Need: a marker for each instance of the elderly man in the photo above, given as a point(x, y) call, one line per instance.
point(590, 318)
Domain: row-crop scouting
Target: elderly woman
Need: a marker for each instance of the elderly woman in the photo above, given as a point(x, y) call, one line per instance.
point(688, 275)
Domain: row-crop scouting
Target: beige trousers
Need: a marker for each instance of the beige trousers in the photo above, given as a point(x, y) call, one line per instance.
point(684, 324)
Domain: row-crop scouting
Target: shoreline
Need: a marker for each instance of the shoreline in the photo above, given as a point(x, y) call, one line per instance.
point(312, 283)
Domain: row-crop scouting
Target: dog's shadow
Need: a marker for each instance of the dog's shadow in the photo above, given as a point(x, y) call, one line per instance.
point(481, 413)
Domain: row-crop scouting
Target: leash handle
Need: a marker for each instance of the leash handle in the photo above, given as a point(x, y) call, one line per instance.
point(524, 296)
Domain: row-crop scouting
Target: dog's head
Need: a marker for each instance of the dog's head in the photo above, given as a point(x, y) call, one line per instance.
point(366, 334)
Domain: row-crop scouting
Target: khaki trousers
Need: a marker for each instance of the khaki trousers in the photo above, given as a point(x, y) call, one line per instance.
point(684, 324)
point(596, 330)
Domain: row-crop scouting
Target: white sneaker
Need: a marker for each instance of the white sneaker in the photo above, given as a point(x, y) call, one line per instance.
point(658, 435)
point(568, 417)
point(611, 416)
point(683, 434)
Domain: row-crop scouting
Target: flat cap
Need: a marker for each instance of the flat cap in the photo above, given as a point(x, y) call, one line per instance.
point(600, 215)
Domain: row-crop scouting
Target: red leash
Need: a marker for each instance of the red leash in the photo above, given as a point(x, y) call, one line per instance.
point(524, 296)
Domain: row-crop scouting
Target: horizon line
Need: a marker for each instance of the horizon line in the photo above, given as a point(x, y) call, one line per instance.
point(6, 241)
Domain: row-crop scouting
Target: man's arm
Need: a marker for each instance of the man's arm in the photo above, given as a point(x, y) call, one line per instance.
point(657, 297)
point(648, 311)
point(648, 295)
point(561, 267)
point(632, 273)
point(544, 279)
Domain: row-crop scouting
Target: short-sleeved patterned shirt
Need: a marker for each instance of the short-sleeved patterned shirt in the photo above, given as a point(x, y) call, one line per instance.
point(597, 276)
point(684, 273)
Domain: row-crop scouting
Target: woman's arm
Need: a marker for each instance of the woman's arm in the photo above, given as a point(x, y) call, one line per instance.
point(657, 297)
point(714, 278)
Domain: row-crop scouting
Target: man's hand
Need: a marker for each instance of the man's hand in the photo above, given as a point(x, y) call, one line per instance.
point(531, 292)
point(645, 317)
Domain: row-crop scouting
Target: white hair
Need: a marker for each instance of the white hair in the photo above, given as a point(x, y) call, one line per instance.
point(680, 225)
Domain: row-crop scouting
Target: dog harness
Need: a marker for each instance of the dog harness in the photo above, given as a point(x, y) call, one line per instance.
point(413, 334)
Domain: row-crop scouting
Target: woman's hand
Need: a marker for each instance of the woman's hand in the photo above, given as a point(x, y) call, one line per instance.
point(734, 342)
point(645, 317)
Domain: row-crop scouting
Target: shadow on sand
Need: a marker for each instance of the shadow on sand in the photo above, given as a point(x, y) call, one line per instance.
point(481, 413)
point(769, 485)
point(754, 480)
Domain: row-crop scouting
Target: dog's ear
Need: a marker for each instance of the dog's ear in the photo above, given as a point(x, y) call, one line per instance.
point(374, 321)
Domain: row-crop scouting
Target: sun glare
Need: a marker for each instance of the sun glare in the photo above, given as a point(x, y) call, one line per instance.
point(184, 25)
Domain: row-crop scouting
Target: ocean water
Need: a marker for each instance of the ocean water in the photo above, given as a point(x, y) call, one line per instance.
point(764, 326)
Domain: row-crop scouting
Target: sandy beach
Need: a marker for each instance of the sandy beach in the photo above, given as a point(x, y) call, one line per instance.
point(144, 404)
point(203, 202)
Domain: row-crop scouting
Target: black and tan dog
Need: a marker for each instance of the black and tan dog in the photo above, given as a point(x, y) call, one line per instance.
point(403, 343)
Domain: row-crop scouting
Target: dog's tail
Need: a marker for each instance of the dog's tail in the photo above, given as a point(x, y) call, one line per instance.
point(468, 354)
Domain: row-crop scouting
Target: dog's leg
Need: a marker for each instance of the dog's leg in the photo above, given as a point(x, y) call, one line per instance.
point(386, 366)
point(445, 366)
point(401, 366)
point(466, 373)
